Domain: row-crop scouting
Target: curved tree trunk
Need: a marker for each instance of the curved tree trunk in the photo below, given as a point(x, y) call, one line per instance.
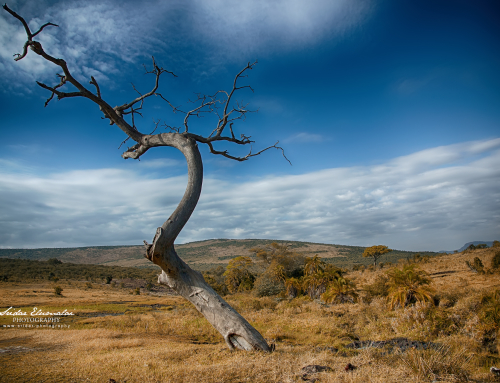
point(189, 283)
point(176, 273)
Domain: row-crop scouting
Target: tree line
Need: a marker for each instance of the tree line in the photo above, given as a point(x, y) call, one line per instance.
point(54, 270)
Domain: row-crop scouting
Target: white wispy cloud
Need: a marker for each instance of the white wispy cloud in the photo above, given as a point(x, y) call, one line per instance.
point(435, 199)
point(270, 26)
point(100, 37)
point(305, 137)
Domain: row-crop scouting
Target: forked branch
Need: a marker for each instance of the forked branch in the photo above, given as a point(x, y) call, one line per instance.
point(30, 35)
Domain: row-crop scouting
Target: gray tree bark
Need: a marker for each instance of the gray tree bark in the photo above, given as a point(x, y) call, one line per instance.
point(189, 283)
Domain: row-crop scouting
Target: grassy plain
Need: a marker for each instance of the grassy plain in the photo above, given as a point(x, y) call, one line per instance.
point(156, 337)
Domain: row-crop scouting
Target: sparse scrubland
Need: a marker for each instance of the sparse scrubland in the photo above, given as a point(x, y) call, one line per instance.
point(425, 319)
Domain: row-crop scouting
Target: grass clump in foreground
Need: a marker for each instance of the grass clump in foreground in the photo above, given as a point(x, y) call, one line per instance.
point(453, 337)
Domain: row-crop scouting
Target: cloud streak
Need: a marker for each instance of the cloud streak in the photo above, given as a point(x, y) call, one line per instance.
point(436, 199)
point(99, 37)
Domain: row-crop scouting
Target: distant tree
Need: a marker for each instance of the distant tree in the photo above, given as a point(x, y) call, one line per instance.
point(238, 275)
point(376, 252)
point(471, 247)
point(408, 285)
point(109, 278)
point(276, 254)
point(496, 243)
point(482, 246)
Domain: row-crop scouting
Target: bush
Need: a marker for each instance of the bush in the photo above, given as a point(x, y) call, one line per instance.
point(266, 285)
point(495, 262)
point(137, 291)
point(476, 266)
point(58, 290)
point(238, 275)
point(109, 278)
point(54, 261)
point(378, 288)
point(408, 286)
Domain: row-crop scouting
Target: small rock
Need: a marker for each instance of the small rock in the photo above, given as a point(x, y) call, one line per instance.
point(314, 369)
point(495, 371)
point(350, 367)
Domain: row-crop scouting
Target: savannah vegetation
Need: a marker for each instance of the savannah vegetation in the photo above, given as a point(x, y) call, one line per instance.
point(415, 321)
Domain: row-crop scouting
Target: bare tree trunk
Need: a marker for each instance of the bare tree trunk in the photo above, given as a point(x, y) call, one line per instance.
point(176, 273)
point(189, 283)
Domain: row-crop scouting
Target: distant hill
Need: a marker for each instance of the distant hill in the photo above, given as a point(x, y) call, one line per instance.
point(475, 243)
point(202, 255)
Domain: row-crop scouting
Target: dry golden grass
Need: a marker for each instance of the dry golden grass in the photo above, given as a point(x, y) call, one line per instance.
point(174, 343)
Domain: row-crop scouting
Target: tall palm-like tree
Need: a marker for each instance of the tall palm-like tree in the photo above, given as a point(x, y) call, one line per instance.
point(340, 290)
point(313, 265)
point(408, 285)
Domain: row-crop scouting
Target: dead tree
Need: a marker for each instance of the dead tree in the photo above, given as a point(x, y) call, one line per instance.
point(237, 332)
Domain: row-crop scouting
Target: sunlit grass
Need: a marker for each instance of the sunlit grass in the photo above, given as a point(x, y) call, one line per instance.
point(174, 343)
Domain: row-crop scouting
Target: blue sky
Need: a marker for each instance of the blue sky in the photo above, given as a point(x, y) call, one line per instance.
point(388, 110)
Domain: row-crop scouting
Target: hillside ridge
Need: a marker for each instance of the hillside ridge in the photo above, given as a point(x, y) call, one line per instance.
point(202, 255)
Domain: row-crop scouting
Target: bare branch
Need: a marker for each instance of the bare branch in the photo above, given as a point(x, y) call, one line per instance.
point(241, 159)
point(223, 122)
point(125, 140)
point(135, 151)
point(158, 72)
point(60, 95)
point(94, 82)
point(43, 26)
point(28, 32)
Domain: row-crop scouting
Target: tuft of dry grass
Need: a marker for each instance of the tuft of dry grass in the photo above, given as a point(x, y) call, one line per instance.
point(440, 364)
